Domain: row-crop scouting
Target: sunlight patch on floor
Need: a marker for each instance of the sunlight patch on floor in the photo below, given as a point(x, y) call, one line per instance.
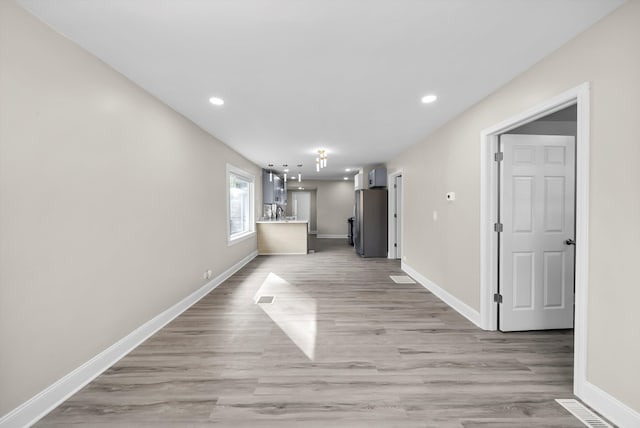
point(292, 310)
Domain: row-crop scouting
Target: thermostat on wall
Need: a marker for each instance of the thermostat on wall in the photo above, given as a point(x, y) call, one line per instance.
point(451, 196)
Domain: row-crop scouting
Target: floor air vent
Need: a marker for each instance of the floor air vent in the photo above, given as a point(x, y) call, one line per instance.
point(585, 415)
point(401, 279)
point(265, 299)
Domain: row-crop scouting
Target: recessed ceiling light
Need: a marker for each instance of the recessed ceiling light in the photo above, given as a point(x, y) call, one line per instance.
point(216, 101)
point(348, 170)
point(429, 98)
point(346, 178)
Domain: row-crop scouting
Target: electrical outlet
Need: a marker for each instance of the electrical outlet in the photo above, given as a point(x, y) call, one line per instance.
point(209, 274)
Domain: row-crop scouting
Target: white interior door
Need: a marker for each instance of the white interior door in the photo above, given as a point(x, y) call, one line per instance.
point(302, 206)
point(398, 216)
point(537, 212)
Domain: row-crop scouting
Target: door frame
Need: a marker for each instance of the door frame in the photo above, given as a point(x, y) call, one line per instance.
point(391, 178)
point(489, 213)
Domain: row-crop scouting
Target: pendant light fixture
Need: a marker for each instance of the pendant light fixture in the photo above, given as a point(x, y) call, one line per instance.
point(321, 160)
point(270, 173)
point(299, 172)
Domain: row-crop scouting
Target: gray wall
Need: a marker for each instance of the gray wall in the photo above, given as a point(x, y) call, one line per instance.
point(447, 251)
point(111, 206)
point(334, 202)
point(546, 127)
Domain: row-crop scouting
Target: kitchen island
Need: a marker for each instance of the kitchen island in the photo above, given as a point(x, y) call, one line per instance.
point(282, 237)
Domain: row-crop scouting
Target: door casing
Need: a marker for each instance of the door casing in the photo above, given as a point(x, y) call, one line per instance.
point(397, 185)
point(391, 179)
point(488, 216)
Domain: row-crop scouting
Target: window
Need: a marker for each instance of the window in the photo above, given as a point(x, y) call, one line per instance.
point(240, 204)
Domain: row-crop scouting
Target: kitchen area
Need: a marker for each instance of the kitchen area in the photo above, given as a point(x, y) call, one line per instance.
point(278, 233)
point(295, 213)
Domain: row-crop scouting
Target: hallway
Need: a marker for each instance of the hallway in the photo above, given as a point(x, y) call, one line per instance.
point(341, 345)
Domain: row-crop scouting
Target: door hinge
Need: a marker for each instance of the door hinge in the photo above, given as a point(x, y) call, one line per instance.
point(395, 245)
point(497, 227)
point(395, 186)
point(498, 157)
point(395, 215)
point(497, 298)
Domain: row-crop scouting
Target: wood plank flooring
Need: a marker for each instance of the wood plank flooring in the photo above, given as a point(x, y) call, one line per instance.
point(342, 345)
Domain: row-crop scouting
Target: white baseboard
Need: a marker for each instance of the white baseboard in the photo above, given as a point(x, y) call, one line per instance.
point(328, 236)
point(465, 310)
point(608, 406)
point(601, 401)
point(283, 254)
point(38, 406)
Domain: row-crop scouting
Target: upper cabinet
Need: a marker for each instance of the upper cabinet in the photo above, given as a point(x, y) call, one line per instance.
point(378, 178)
point(274, 189)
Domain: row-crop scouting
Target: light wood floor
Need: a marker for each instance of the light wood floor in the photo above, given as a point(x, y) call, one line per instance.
point(341, 346)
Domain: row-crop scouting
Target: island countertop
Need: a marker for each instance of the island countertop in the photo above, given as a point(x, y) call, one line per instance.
point(282, 221)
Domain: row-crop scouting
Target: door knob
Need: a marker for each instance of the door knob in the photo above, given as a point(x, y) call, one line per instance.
point(570, 242)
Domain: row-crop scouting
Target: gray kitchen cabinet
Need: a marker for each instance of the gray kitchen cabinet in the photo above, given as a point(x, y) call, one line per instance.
point(273, 188)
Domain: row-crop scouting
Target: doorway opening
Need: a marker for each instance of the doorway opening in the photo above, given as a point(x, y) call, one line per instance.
point(489, 200)
point(302, 207)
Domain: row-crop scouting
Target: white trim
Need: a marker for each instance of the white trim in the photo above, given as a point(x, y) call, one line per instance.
point(240, 238)
point(283, 254)
point(462, 308)
point(38, 406)
point(391, 250)
point(488, 203)
point(488, 238)
point(582, 238)
point(609, 407)
point(231, 169)
point(330, 236)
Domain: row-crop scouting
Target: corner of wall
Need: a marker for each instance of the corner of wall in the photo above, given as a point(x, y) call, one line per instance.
point(462, 308)
point(44, 402)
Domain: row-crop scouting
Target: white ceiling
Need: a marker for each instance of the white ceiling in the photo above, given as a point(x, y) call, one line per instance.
point(344, 75)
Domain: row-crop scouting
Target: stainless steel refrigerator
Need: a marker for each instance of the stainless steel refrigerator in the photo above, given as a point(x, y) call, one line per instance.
point(370, 225)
